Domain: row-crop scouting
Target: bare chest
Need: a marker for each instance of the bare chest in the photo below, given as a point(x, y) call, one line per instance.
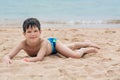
point(32, 51)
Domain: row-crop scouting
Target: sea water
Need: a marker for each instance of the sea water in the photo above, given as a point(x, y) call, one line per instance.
point(63, 11)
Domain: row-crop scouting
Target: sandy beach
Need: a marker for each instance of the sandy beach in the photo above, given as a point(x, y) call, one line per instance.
point(104, 65)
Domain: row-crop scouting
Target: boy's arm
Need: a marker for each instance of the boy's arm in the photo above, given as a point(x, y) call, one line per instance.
point(40, 54)
point(7, 58)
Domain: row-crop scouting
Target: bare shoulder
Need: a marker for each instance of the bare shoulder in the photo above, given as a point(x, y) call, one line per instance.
point(22, 44)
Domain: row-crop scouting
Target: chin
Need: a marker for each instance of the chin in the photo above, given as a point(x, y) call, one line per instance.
point(34, 40)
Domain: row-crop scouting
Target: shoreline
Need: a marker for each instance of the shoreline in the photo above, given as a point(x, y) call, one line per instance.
point(59, 21)
point(69, 24)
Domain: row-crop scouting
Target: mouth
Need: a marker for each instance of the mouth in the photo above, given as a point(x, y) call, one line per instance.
point(32, 37)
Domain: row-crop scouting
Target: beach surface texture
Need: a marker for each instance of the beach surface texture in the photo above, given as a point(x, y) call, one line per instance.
point(104, 65)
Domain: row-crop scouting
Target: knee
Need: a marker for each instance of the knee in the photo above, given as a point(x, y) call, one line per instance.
point(77, 56)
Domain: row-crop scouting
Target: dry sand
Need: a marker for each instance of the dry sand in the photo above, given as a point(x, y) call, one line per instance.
point(104, 65)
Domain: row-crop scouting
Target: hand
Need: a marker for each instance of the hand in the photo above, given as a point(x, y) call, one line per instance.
point(6, 60)
point(26, 59)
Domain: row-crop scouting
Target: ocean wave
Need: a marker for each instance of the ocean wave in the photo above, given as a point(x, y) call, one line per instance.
point(83, 22)
point(78, 22)
point(113, 22)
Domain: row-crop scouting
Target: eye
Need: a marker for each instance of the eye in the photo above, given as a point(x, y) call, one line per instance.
point(28, 31)
point(36, 31)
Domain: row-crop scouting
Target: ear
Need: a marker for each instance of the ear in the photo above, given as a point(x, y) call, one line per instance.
point(40, 31)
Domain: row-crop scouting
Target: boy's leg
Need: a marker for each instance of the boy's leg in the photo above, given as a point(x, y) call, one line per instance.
point(83, 51)
point(91, 44)
point(78, 45)
point(66, 51)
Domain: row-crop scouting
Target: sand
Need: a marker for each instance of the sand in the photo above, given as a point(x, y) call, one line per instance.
point(104, 65)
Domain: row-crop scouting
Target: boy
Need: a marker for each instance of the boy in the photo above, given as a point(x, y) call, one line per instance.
point(38, 48)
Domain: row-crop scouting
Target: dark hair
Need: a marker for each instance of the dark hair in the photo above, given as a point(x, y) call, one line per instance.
point(30, 22)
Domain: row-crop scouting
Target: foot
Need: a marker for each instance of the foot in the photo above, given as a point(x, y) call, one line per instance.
point(90, 44)
point(89, 50)
point(83, 51)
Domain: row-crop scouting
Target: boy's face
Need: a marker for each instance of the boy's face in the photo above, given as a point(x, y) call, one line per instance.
point(32, 33)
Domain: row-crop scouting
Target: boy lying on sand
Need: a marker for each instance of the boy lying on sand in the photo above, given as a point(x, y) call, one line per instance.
point(37, 47)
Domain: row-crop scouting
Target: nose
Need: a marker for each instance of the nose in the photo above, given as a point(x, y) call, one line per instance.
point(32, 34)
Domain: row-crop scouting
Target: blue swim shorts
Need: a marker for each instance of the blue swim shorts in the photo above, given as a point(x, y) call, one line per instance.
point(53, 44)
